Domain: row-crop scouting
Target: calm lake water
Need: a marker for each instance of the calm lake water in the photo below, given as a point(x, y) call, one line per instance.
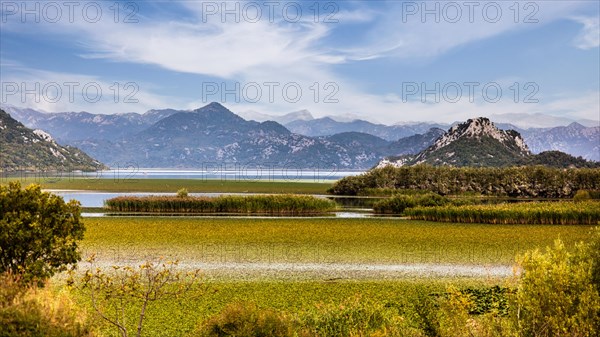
point(350, 207)
point(238, 173)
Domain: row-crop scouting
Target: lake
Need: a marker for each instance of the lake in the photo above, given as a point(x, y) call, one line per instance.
point(238, 173)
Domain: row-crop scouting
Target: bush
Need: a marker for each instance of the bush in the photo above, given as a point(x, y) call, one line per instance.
point(582, 195)
point(247, 320)
point(594, 252)
point(488, 299)
point(453, 315)
point(34, 312)
point(355, 317)
point(556, 295)
point(39, 232)
point(388, 192)
point(182, 193)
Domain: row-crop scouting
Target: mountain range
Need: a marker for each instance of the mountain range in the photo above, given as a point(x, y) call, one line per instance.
point(328, 126)
point(74, 126)
point(213, 134)
point(24, 149)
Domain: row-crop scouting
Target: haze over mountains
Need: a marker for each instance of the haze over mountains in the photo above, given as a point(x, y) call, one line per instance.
point(212, 134)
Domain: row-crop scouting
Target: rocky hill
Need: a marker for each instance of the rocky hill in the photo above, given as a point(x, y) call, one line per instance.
point(24, 149)
point(478, 143)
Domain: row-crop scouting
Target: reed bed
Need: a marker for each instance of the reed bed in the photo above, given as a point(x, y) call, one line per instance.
point(256, 204)
point(551, 213)
point(399, 203)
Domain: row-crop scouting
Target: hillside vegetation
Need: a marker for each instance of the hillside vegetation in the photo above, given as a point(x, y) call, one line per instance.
point(525, 181)
point(26, 149)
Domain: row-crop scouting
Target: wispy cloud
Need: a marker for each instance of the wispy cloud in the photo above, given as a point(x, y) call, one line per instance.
point(589, 37)
point(306, 53)
point(206, 46)
point(417, 30)
point(57, 91)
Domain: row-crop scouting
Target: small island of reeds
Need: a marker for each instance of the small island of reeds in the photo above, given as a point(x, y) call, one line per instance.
point(252, 204)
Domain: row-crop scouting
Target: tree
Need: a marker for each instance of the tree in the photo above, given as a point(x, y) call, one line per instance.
point(114, 293)
point(39, 232)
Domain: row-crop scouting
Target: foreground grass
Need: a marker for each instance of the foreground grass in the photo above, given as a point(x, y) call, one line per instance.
point(180, 317)
point(314, 240)
point(172, 185)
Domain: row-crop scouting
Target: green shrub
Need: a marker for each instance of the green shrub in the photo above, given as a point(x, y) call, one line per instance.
point(582, 195)
point(355, 317)
point(556, 295)
point(182, 193)
point(394, 205)
point(247, 320)
point(453, 314)
point(594, 252)
point(34, 312)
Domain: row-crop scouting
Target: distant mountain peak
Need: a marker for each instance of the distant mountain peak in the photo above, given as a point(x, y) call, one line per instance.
point(478, 128)
point(303, 115)
point(300, 115)
point(212, 107)
point(539, 120)
point(576, 126)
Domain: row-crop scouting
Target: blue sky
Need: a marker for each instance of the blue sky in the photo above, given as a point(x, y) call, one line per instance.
point(386, 61)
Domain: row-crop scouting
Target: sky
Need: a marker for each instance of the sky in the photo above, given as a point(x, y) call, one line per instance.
point(383, 61)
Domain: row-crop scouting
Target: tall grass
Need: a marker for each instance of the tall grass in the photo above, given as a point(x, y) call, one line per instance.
point(552, 213)
point(31, 311)
point(256, 204)
point(399, 203)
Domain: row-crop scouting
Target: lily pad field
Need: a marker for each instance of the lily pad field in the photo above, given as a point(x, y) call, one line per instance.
point(306, 267)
